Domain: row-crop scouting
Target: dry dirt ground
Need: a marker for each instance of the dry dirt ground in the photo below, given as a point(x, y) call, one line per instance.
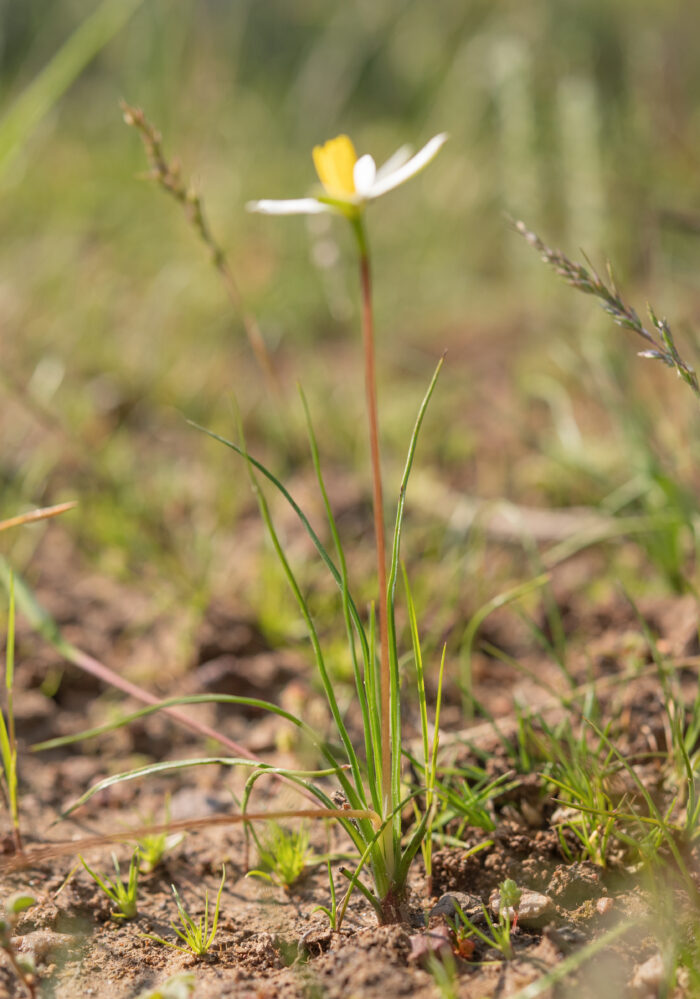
point(272, 942)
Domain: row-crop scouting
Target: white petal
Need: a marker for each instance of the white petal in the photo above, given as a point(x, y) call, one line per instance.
point(296, 206)
point(398, 159)
point(409, 169)
point(364, 174)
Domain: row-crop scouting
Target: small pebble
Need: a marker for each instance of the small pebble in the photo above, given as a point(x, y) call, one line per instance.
point(447, 904)
point(42, 943)
point(648, 976)
point(604, 905)
point(534, 909)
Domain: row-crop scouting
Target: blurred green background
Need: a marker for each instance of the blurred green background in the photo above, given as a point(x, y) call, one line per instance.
point(580, 116)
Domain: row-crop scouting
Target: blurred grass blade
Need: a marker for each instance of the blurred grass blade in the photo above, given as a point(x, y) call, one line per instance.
point(168, 766)
point(574, 961)
point(34, 515)
point(46, 89)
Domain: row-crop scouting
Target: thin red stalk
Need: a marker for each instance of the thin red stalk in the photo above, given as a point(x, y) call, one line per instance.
point(93, 666)
point(379, 533)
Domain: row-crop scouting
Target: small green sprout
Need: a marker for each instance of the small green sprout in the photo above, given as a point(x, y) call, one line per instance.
point(283, 854)
point(123, 895)
point(197, 936)
point(499, 929)
point(509, 894)
point(22, 966)
point(331, 912)
point(152, 848)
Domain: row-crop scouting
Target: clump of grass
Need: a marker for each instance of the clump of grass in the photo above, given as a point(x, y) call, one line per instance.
point(370, 779)
point(123, 895)
point(197, 935)
point(662, 346)
point(283, 855)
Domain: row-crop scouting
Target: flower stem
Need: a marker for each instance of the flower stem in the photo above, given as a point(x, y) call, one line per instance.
point(377, 500)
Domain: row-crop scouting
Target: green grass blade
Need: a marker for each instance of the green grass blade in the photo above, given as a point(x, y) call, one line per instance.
point(46, 89)
point(355, 794)
point(168, 766)
point(10, 646)
point(389, 596)
point(360, 680)
point(328, 561)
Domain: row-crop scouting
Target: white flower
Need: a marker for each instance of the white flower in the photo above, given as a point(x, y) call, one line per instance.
point(349, 182)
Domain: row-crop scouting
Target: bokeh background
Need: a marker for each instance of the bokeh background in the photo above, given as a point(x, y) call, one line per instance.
point(580, 116)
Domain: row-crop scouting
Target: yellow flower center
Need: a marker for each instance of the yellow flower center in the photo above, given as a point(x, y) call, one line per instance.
point(334, 164)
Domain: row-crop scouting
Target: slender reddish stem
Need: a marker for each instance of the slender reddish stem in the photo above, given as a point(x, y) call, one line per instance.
point(379, 533)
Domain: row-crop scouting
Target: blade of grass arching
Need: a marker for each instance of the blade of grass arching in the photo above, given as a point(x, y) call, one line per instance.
point(32, 516)
point(390, 596)
point(117, 723)
point(49, 85)
point(355, 794)
point(172, 766)
point(151, 769)
point(325, 557)
point(476, 621)
point(360, 683)
point(42, 622)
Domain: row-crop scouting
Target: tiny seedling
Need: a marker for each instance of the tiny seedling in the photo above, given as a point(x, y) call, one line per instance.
point(510, 896)
point(22, 966)
point(500, 929)
point(154, 846)
point(123, 895)
point(331, 912)
point(283, 854)
point(197, 936)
